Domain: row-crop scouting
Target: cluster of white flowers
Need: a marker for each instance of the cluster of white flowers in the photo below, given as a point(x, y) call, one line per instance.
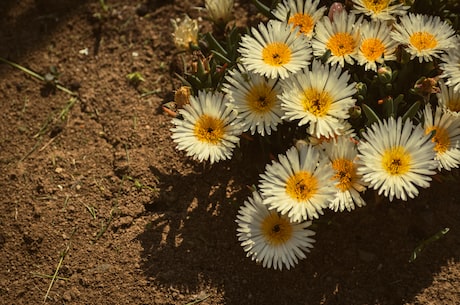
point(293, 68)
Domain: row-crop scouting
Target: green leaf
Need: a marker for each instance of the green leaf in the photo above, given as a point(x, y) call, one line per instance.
point(263, 9)
point(183, 80)
point(426, 242)
point(221, 57)
point(214, 44)
point(391, 105)
point(371, 116)
point(412, 111)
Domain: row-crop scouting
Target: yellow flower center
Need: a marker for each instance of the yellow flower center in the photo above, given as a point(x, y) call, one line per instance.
point(261, 98)
point(276, 229)
point(316, 102)
point(341, 44)
point(303, 21)
point(209, 129)
point(302, 186)
point(423, 41)
point(372, 48)
point(276, 54)
point(440, 138)
point(345, 173)
point(396, 161)
point(376, 6)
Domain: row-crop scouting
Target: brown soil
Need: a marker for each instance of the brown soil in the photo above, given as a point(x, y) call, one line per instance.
point(94, 188)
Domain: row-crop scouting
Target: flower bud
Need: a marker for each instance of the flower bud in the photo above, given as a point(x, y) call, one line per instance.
point(336, 7)
point(355, 112)
point(385, 74)
point(361, 89)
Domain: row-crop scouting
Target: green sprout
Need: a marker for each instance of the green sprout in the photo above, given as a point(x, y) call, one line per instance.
point(135, 78)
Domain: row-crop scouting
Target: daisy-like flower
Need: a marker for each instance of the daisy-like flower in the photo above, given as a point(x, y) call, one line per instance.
point(185, 32)
point(274, 50)
point(380, 9)
point(219, 11)
point(299, 184)
point(396, 157)
point(255, 98)
point(376, 45)
point(302, 14)
point(320, 97)
point(446, 136)
point(451, 67)
point(341, 37)
point(207, 130)
point(342, 152)
point(270, 238)
point(449, 99)
point(424, 36)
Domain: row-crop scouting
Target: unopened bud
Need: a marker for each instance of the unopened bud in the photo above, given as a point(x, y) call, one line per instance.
point(361, 88)
point(336, 7)
point(355, 112)
point(385, 74)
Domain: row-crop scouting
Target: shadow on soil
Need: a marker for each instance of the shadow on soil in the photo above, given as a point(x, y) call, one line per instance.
point(27, 26)
point(359, 258)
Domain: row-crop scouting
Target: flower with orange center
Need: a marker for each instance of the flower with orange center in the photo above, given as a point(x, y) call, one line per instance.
point(342, 153)
point(320, 97)
point(376, 46)
point(299, 184)
point(255, 98)
point(207, 128)
point(425, 37)
point(271, 238)
point(274, 50)
point(301, 14)
point(395, 157)
point(444, 129)
point(385, 10)
point(341, 37)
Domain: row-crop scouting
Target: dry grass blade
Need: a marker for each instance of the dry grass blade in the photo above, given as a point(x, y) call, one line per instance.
point(36, 75)
point(55, 275)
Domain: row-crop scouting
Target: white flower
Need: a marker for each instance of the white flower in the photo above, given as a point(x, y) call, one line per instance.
point(449, 99)
point(451, 66)
point(255, 98)
point(270, 238)
point(342, 153)
point(396, 157)
point(219, 11)
point(446, 137)
point(302, 14)
point(185, 32)
point(376, 45)
point(207, 130)
point(384, 10)
point(341, 37)
point(424, 36)
point(274, 50)
point(320, 97)
point(299, 184)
